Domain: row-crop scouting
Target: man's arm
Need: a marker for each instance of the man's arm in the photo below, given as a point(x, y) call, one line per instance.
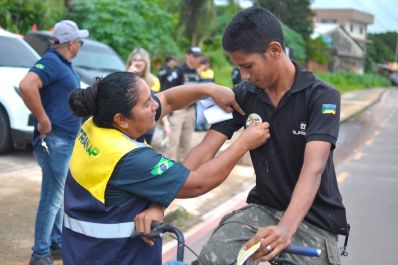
point(29, 87)
point(280, 236)
point(181, 96)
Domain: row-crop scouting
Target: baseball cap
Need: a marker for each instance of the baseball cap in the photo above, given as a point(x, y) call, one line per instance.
point(67, 30)
point(194, 51)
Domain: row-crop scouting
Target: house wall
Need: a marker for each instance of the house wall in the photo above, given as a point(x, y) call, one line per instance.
point(357, 30)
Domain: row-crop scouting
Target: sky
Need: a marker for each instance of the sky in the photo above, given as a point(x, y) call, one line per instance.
point(384, 11)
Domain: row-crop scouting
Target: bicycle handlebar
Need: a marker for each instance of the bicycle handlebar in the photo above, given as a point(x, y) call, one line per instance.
point(304, 251)
point(158, 230)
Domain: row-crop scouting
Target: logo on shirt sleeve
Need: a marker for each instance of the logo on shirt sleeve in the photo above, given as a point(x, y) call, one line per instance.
point(329, 109)
point(162, 166)
point(39, 66)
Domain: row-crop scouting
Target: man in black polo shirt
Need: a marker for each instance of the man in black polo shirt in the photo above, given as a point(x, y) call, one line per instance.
point(296, 197)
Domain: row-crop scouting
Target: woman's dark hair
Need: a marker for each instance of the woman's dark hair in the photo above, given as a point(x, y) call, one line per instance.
point(116, 93)
point(251, 30)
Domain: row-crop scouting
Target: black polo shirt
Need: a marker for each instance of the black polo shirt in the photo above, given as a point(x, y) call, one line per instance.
point(310, 111)
point(187, 75)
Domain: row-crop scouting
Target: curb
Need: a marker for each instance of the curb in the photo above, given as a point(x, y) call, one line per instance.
point(355, 102)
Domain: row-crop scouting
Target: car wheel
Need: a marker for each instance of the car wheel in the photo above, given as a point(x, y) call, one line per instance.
point(5, 132)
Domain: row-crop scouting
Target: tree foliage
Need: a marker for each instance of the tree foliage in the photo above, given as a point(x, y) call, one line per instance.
point(295, 42)
point(197, 19)
point(296, 14)
point(20, 16)
point(318, 51)
point(125, 25)
point(382, 48)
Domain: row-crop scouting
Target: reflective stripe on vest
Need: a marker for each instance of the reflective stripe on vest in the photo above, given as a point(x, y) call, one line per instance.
point(99, 230)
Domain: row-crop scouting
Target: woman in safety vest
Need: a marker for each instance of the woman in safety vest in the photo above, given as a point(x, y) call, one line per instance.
point(113, 178)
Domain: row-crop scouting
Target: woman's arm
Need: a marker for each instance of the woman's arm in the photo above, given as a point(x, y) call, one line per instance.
point(205, 176)
point(181, 96)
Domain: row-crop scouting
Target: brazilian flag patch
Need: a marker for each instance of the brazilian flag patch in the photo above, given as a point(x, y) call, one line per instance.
point(162, 166)
point(39, 66)
point(328, 108)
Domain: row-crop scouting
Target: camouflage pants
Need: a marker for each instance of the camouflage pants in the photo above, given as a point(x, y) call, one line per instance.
point(239, 226)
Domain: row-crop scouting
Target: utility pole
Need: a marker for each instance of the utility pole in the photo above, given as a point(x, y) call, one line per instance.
point(396, 48)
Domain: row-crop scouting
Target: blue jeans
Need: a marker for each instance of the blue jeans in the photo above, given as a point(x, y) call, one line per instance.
point(54, 165)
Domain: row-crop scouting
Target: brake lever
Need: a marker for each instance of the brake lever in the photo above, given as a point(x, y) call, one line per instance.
point(157, 232)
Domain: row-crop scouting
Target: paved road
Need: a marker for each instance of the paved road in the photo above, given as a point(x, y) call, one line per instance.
point(369, 183)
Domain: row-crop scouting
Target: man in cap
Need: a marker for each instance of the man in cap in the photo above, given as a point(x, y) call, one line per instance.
point(182, 122)
point(45, 90)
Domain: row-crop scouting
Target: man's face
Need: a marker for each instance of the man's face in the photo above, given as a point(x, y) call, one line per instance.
point(193, 61)
point(258, 68)
point(75, 46)
point(172, 63)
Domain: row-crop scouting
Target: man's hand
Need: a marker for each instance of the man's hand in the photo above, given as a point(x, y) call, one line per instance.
point(44, 125)
point(225, 98)
point(144, 220)
point(273, 239)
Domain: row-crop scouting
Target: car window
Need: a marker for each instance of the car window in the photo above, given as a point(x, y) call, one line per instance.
point(97, 57)
point(13, 53)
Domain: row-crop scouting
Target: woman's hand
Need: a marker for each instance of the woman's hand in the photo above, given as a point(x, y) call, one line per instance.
point(273, 239)
point(255, 135)
point(225, 98)
point(144, 220)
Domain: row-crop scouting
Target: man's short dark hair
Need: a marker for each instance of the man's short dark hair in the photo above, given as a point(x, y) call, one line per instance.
point(251, 30)
point(169, 58)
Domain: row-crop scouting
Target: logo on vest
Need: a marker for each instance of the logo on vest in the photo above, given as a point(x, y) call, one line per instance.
point(302, 131)
point(83, 139)
point(162, 166)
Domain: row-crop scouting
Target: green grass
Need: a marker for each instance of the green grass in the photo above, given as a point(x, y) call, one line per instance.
point(346, 81)
point(223, 75)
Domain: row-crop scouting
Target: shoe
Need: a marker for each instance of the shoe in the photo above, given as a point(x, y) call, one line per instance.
point(44, 261)
point(56, 253)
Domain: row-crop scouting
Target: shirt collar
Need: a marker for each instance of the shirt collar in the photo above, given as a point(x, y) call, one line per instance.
point(60, 56)
point(302, 80)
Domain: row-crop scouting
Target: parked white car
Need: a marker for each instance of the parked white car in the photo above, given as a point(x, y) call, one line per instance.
point(16, 121)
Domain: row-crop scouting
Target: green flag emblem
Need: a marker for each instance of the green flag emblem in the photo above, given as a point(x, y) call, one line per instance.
point(163, 165)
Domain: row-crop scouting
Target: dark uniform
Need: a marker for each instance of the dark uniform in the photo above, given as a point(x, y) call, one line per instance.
point(182, 121)
point(310, 111)
point(168, 77)
point(112, 178)
point(235, 75)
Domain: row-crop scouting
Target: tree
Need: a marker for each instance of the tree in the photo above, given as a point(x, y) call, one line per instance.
point(296, 14)
point(20, 16)
point(295, 42)
point(384, 46)
point(197, 19)
point(379, 51)
point(318, 51)
point(125, 25)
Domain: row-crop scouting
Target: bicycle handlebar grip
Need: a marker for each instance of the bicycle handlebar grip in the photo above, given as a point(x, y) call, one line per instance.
point(304, 251)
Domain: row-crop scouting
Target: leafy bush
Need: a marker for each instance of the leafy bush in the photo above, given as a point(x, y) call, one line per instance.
point(294, 41)
point(125, 25)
